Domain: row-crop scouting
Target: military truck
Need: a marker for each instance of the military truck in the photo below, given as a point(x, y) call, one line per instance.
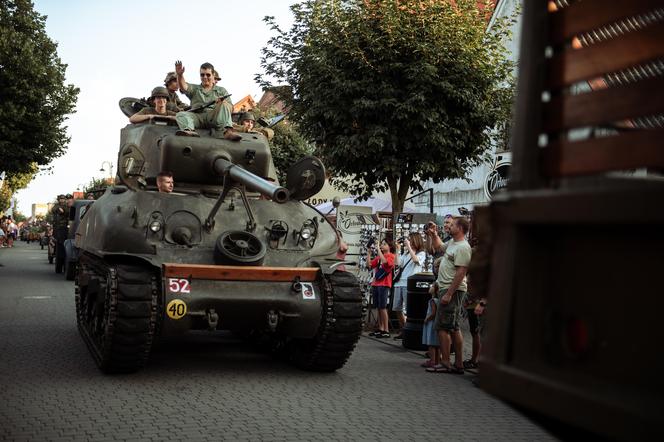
point(228, 249)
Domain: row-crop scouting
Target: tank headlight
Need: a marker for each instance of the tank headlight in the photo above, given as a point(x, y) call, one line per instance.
point(155, 226)
point(305, 233)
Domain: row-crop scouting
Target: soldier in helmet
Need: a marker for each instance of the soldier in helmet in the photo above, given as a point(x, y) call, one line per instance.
point(174, 103)
point(247, 124)
point(217, 117)
point(160, 98)
point(247, 121)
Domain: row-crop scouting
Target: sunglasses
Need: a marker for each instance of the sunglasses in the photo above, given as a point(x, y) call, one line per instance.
point(206, 75)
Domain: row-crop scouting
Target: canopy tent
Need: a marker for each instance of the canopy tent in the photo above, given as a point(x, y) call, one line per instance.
point(376, 204)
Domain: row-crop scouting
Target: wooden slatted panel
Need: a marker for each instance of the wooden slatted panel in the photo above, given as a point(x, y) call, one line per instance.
point(585, 15)
point(613, 104)
point(644, 148)
point(573, 65)
point(239, 273)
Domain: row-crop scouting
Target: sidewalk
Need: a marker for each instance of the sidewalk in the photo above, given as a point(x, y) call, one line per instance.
point(467, 343)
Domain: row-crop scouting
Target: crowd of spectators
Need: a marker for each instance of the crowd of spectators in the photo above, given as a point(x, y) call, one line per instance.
point(450, 303)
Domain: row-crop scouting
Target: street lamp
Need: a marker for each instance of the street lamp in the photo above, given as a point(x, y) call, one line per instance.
point(110, 167)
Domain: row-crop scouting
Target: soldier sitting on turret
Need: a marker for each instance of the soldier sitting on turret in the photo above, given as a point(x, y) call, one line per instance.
point(160, 97)
point(173, 103)
point(218, 117)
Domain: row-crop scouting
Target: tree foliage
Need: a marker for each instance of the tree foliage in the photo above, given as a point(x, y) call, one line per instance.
point(34, 101)
point(288, 144)
point(395, 92)
point(13, 182)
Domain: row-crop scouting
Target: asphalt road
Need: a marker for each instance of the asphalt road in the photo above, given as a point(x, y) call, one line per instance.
point(208, 387)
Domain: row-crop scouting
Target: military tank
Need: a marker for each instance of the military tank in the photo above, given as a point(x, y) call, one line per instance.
point(228, 249)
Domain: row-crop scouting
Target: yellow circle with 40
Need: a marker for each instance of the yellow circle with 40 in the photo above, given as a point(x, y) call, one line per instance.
point(176, 309)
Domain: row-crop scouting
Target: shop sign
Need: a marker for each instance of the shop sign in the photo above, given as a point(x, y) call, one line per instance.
point(498, 177)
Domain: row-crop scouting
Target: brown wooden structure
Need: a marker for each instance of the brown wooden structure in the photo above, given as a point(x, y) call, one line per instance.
point(575, 266)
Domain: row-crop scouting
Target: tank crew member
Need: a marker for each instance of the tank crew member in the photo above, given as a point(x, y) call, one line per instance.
point(173, 103)
point(217, 78)
point(160, 97)
point(70, 201)
point(165, 181)
point(218, 117)
point(247, 124)
point(247, 121)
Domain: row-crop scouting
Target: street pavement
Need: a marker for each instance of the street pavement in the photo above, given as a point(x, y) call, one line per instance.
point(208, 387)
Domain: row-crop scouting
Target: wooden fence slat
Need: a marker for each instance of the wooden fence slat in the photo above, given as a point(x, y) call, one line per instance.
point(643, 98)
point(643, 148)
point(573, 65)
point(587, 15)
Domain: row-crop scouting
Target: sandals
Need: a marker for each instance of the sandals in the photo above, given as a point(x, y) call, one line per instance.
point(440, 368)
point(470, 365)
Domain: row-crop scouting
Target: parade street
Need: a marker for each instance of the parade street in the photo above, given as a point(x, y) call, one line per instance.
point(207, 387)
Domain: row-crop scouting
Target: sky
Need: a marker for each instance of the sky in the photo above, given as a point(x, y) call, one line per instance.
point(124, 49)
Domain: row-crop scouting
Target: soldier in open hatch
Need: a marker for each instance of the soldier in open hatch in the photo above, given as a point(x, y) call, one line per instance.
point(217, 116)
point(160, 97)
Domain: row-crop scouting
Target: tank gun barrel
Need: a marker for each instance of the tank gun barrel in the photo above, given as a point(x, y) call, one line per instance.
point(252, 182)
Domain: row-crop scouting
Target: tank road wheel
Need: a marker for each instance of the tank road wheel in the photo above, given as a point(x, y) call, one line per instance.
point(116, 309)
point(340, 327)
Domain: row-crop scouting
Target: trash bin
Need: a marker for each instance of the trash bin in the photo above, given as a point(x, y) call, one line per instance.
point(416, 310)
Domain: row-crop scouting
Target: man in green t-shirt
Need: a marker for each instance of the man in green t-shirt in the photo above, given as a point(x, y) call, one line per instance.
point(217, 115)
point(452, 287)
point(159, 97)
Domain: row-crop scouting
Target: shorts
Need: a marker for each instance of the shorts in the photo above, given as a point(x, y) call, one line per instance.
point(380, 295)
point(448, 316)
point(474, 321)
point(400, 297)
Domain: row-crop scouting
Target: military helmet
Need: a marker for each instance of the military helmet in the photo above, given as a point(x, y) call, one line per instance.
point(61, 196)
point(169, 77)
point(69, 196)
point(159, 91)
point(247, 116)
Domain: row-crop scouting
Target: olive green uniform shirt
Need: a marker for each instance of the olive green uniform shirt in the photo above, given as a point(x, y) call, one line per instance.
point(153, 111)
point(199, 96)
point(174, 103)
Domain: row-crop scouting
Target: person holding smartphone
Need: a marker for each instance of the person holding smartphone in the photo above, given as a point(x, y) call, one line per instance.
point(383, 264)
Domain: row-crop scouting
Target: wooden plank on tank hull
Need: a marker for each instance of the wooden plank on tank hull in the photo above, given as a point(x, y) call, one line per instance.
point(239, 273)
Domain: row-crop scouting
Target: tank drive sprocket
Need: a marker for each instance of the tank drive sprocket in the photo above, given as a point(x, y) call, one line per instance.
point(340, 329)
point(117, 312)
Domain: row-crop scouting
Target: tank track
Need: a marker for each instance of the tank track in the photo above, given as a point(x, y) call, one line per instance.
point(340, 329)
point(117, 312)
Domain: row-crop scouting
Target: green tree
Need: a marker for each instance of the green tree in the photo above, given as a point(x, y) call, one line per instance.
point(96, 186)
point(288, 144)
point(14, 182)
point(395, 92)
point(34, 101)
